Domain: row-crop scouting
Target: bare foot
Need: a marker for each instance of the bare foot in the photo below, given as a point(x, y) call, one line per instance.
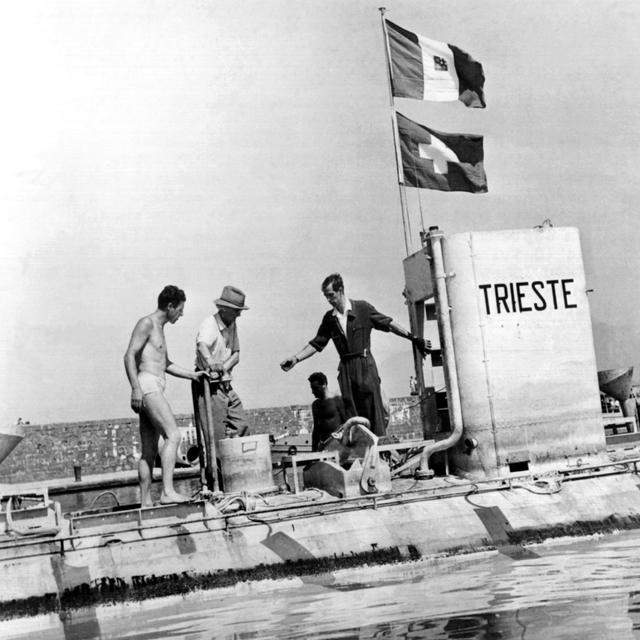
point(173, 497)
point(146, 500)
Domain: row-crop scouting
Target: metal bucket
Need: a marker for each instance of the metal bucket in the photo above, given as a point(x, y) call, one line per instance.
point(245, 464)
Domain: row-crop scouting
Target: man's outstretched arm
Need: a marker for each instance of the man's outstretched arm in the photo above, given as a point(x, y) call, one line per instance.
point(424, 346)
point(180, 372)
point(306, 352)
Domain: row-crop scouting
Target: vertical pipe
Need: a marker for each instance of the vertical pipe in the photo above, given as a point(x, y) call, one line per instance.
point(485, 358)
point(434, 240)
point(197, 387)
point(416, 323)
point(212, 462)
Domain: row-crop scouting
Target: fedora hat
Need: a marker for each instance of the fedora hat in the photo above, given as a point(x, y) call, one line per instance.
point(231, 297)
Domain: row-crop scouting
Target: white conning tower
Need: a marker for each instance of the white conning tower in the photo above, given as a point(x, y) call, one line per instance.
point(523, 350)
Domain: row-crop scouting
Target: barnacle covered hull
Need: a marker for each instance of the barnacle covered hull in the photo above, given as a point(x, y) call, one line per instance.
point(178, 547)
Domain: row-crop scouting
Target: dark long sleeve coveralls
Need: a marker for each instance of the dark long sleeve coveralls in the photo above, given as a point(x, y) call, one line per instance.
point(357, 373)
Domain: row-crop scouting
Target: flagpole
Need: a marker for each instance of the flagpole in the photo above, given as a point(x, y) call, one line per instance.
point(394, 127)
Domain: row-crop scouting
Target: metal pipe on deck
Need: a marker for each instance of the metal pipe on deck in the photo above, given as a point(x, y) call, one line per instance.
point(439, 276)
point(210, 441)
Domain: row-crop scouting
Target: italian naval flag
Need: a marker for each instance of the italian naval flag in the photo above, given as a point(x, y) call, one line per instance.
point(442, 161)
point(425, 69)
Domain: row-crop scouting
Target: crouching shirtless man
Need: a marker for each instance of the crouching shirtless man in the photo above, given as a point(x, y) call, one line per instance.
point(146, 361)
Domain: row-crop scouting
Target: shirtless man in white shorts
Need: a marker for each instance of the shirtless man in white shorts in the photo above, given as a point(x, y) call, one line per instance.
point(146, 362)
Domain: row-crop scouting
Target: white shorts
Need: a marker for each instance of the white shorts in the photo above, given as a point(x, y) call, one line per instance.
point(150, 383)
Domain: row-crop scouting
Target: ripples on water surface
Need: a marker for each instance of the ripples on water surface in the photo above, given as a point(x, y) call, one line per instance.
point(588, 589)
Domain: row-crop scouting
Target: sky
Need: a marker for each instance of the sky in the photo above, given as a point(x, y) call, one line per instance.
point(239, 142)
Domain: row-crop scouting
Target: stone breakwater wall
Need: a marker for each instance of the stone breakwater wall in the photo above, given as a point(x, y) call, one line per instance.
point(100, 446)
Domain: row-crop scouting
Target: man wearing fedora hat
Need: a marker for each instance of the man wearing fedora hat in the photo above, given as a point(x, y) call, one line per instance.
point(218, 352)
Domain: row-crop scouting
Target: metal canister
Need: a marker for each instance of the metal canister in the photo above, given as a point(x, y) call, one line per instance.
point(245, 464)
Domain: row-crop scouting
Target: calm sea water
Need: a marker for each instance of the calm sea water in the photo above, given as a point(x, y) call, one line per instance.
point(584, 589)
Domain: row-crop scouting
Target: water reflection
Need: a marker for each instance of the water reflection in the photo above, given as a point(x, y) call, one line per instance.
point(84, 626)
point(588, 590)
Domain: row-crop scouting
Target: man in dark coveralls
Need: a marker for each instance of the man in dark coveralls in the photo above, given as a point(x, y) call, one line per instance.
point(349, 325)
point(328, 412)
